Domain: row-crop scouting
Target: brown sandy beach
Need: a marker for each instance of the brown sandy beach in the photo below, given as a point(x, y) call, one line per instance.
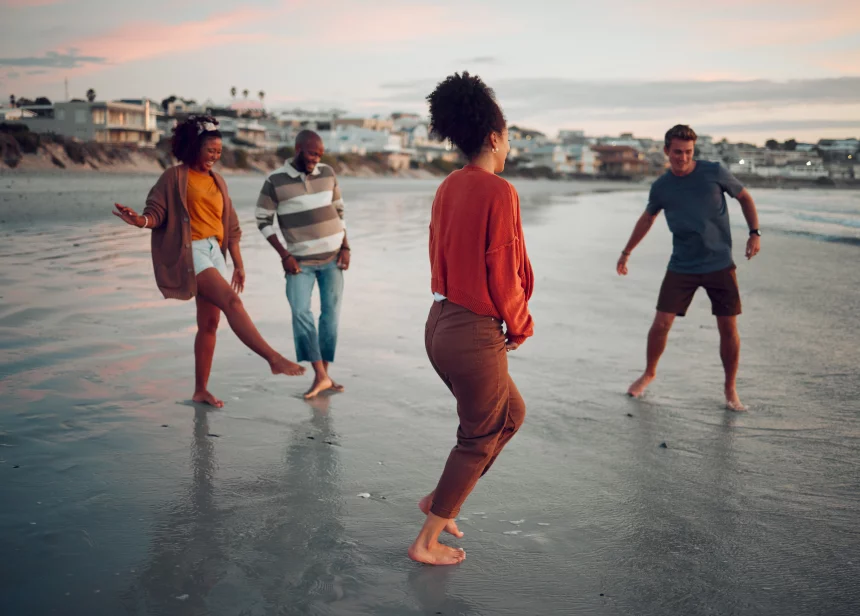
point(120, 497)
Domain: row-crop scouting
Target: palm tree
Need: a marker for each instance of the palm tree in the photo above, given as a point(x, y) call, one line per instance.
point(11, 100)
point(91, 95)
point(262, 95)
point(233, 91)
point(245, 92)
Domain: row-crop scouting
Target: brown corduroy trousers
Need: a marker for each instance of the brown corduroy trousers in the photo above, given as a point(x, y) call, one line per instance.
point(468, 352)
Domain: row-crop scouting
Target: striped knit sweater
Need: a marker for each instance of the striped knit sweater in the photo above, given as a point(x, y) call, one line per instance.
point(309, 208)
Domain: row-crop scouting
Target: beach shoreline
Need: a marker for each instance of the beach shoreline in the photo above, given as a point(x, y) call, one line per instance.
point(121, 497)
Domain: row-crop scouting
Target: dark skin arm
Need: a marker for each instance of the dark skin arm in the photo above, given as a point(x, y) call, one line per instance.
point(288, 261)
point(238, 282)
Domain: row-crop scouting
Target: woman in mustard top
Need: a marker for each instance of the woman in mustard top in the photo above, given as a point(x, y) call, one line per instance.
point(193, 227)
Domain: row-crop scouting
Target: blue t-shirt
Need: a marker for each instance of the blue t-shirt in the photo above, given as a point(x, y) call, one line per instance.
point(697, 215)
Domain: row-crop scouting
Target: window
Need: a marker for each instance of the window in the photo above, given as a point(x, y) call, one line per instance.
point(60, 115)
point(99, 116)
point(80, 116)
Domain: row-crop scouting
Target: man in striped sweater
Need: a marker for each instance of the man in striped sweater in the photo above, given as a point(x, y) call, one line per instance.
point(305, 197)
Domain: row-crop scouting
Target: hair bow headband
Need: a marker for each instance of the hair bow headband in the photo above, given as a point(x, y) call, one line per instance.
point(206, 127)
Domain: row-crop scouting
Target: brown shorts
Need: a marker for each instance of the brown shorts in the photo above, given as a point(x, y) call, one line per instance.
point(722, 287)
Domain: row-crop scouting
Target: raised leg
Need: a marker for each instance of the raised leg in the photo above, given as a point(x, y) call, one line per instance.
point(212, 287)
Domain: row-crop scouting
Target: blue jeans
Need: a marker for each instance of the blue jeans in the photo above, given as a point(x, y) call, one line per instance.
point(310, 346)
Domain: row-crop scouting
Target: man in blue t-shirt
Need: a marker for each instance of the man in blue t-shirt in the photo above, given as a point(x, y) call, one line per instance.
point(692, 194)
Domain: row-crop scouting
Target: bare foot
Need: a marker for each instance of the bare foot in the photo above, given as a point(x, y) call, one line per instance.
point(204, 397)
point(640, 385)
point(733, 402)
point(320, 385)
point(436, 554)
point(450, 527)
point(337, 387)
point(282, 365)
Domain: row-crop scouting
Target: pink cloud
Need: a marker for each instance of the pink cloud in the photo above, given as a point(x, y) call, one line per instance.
point(26, 4)
point(741, 24)
point(845, 63)
point(148, 39)
point(386, 23)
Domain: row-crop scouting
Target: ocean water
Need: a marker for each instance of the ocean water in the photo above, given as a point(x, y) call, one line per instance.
point(117, 496)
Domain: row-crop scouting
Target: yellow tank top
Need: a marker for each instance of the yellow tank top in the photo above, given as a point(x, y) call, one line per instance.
point(205, 206)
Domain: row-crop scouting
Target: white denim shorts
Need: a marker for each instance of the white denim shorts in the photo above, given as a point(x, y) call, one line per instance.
point(207, 253)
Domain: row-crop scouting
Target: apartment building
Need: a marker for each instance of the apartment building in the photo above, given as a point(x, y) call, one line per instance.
point(103, 122)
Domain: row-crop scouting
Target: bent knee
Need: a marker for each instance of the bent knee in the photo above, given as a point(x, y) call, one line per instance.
point(234, 302)
point(516, 415)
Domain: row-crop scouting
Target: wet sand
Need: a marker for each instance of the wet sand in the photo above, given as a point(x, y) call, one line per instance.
point(120, 497)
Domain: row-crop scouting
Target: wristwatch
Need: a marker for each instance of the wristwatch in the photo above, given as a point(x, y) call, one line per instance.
point(755, 232)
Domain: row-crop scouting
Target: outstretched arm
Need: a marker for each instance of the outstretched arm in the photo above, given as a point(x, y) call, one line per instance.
point(751, 215)
point(155, 211)
point(643, 226)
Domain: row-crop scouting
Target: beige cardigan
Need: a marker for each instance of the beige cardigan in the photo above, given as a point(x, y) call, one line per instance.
point(166, 205)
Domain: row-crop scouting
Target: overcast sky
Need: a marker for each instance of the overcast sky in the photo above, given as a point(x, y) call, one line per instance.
point(746, 70)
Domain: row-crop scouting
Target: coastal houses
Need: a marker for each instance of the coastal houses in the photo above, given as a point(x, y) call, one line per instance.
point(114, 122)
point(405, 140)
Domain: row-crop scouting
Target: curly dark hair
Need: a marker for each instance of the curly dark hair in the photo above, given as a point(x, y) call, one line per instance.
point(463, 110)
point(679, 131)
point(189, 136)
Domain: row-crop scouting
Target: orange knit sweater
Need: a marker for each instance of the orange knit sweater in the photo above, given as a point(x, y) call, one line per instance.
point(478, 254)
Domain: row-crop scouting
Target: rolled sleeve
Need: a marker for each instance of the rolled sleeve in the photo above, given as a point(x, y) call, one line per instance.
point(507, 293)
point(156, 201)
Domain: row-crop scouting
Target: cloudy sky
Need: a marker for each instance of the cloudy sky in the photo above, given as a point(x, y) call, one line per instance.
point(750, 69)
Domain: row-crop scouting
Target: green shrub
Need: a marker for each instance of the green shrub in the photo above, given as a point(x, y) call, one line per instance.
point(285, 152)
point(228, 158)
point(10, 150)
point(29, 142)
point(242, 159)
point(445, 166)
point(328, 159)
point(75, 151)
point(11, 128)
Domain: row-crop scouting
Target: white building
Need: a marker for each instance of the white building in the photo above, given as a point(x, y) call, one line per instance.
point(349, 139)
point(246, 130)
point(105, 122)
point(299, 119)
point(583, 159)
point(804, 171)
point(839, 146)
point(552, 156)
point(707, 149)
point(579, 159)
point(13, 113)
point(625, 139)
point(571, 136)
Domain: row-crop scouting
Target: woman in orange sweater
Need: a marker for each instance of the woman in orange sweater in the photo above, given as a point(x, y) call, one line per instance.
point(193, 227)
point(481, 279)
